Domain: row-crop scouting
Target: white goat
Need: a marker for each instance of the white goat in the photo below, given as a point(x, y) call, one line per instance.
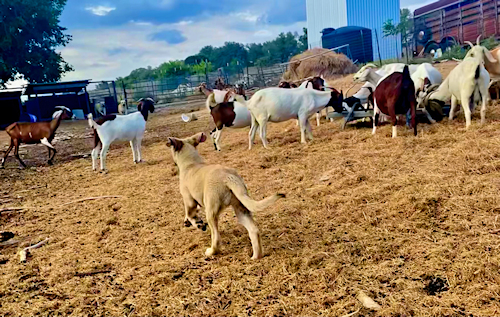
point(111, 128)
point(467, 84)
point(278, 105)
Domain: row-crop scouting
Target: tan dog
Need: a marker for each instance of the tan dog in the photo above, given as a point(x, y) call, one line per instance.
point(214, 187)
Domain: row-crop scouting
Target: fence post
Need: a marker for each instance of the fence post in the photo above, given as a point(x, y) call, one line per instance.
point(114, 93)
point(378, 48)
point(125, 94)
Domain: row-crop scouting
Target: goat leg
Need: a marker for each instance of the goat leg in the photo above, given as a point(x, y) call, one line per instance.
point(7, 153)
point(52, 158)
point(16, 154)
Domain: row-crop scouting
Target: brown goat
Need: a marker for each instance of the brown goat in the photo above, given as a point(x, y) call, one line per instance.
point(33, 133)
point(395, 95)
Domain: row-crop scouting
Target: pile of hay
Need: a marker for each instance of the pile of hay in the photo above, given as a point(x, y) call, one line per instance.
point(329, 64)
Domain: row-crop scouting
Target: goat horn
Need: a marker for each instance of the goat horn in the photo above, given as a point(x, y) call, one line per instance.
point(469, 43)
point(371, 65)
point(211, 100)
point(479, 39)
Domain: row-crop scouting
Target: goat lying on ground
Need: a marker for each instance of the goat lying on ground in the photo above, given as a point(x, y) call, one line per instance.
point(278, 105)
point(33, 133)
point(229, 114)
point(395, 95)
point(214, 187)
point(111, 128)
point(467, 84)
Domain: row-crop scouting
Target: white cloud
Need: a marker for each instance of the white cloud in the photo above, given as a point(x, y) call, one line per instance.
point(247, 16)
point(263, 33)
point(184, 22)
point(89, 50)
point(100, 10)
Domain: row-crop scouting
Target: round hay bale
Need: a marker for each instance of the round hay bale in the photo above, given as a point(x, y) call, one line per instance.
point(329, 64)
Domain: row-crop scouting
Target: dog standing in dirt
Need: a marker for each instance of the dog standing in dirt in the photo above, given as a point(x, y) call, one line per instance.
point(214, 187)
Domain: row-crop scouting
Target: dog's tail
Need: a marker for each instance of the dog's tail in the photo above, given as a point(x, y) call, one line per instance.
point(238, 188)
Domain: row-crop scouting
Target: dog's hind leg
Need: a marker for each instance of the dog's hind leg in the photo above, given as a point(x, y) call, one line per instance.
point(212, 209)
point(245, 218)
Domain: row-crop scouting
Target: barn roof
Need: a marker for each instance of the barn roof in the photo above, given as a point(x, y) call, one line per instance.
point(59, 87)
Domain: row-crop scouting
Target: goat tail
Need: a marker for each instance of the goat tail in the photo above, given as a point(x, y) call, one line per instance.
point(238, 188)
point(91, 121)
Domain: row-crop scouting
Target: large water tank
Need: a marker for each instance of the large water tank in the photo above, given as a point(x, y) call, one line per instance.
point(359, 39)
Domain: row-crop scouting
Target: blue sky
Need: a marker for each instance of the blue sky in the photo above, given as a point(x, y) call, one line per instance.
point(111, 37)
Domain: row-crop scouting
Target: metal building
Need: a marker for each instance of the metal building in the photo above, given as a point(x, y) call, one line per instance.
point(370, 14)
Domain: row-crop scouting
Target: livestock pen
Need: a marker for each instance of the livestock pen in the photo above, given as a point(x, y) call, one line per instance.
point(412, 222)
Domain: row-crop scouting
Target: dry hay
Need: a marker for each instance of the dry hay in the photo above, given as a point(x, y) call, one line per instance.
point(329, 64)
point(412, 223)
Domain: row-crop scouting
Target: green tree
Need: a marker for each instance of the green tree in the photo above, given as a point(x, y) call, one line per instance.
point(303, 41)
point(202, 67)
point(172, 68)
point(195, 59)
point(29, 36)
point(390, 29)
point(255, 51)
point(404, 29)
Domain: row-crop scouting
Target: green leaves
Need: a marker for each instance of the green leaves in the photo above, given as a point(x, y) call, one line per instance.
point(29, 35)
point(232, 56)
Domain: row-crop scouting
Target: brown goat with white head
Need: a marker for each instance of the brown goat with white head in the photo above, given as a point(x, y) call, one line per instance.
point(395, 95)
point(35, 132)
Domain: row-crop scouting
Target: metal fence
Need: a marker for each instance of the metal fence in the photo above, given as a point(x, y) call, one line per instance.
point(180, 89)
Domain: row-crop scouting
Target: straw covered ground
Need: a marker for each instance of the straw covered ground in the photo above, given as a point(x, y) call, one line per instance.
point(411, 222)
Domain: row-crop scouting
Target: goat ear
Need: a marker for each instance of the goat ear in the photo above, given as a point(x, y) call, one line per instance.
point(175, 143)
point(151, 108)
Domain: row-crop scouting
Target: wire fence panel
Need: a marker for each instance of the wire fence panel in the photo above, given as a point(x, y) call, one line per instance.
point(179, 89)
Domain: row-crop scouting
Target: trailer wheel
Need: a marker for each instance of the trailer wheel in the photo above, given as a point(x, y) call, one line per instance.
point(431, 46)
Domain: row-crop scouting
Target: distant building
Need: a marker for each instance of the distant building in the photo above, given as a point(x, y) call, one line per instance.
point(369, 14)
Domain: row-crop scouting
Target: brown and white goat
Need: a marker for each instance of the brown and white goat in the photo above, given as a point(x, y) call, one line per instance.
point(395, 95)
point(33, 133)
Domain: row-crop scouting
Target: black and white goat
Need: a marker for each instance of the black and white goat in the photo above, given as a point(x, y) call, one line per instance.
point(128, 127)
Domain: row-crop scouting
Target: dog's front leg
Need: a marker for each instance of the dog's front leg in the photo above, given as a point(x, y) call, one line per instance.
point(190, 216)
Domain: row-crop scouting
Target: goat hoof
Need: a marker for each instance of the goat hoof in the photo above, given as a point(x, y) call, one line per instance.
point(50, 163)
point(104, 172)
point(210, 252)
point(187, 223)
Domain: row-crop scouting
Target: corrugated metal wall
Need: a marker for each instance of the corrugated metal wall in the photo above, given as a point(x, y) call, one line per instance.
point(324, 14)
point(372, 14)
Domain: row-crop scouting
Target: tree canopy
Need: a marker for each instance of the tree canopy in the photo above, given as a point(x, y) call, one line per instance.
point(29, 35)
point(232, 56)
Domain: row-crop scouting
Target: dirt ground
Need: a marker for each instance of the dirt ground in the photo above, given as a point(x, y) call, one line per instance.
point(412, 222)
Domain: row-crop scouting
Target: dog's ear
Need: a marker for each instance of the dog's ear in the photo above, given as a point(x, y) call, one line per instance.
point(175, 143)
point(199, 138)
